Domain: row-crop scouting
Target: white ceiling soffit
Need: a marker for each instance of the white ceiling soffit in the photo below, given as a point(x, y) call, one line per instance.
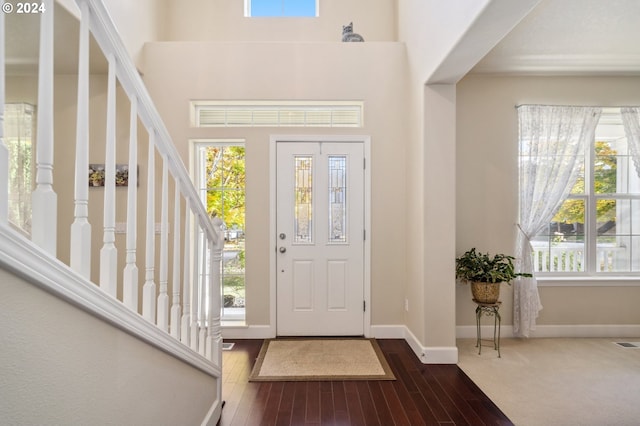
point(495, 21)
point(571, 37)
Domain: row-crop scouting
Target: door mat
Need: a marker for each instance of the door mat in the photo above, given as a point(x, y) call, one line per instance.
point(302, 359)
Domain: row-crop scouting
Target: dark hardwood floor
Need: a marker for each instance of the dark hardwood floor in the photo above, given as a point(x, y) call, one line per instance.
point(421, 395)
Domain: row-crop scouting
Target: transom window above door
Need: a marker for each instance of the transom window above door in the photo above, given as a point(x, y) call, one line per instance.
point(281, 8)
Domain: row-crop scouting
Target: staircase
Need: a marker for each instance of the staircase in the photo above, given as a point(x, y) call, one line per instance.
point(133, 339)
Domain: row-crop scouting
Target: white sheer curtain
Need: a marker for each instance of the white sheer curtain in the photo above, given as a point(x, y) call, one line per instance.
point(631, 121)
point(552, 142)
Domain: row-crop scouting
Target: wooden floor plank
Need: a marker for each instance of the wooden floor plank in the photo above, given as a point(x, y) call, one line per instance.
point(420, 395)
point(368, 407)
point(299, 408)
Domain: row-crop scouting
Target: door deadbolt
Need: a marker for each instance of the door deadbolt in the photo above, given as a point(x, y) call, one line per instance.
point(283, 236)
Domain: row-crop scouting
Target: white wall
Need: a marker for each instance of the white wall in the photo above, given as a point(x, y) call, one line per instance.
point(179, 72)
point(487, 187)
point(224, 20)
point(60, 365)
point(138, 22)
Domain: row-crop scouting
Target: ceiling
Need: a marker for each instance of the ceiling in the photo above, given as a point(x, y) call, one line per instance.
point(559, 37)
point(22, 41)
point(571, 37)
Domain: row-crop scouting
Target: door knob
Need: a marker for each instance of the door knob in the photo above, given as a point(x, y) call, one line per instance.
point(283, 249)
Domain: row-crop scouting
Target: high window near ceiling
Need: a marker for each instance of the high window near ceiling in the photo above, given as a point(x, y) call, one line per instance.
point(595, 228)
point(281, 8)
point(220, 179)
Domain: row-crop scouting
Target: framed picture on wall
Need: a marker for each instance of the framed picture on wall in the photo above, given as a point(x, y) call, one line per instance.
point(97, 173)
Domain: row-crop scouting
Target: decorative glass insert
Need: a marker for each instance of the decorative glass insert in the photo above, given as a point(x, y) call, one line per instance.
point(303, 205)
point(337, 198)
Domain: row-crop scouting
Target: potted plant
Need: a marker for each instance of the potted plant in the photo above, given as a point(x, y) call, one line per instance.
point(485, 273)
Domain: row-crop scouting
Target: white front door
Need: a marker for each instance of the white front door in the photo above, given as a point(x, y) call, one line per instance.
point(320, 238)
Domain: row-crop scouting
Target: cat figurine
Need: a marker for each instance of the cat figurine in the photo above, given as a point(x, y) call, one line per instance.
point(348, 34)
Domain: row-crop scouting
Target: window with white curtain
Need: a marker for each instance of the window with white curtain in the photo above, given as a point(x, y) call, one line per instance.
point(19, 125)
point(596, 230)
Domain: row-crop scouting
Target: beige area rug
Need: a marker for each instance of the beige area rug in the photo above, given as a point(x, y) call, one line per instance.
point(559, 381)
point(302, 359)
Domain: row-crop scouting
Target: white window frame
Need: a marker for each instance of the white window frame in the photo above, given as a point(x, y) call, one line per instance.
point(590, 275)
point(260, 113)
point(198, 175)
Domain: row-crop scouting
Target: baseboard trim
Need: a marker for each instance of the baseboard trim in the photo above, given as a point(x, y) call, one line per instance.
point(426, 354)
point(547, 331)
point(388, 331)
point(470, 331)
point(213, 415)
point(248, 332)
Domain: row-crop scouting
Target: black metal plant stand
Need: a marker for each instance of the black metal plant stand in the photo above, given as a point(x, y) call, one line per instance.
point(489, 309)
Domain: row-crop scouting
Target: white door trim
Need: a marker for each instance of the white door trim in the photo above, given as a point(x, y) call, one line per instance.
point(366, 141)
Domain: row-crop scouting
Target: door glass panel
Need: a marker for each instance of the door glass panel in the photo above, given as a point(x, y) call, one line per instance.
point(337, 199)
point(303, 196)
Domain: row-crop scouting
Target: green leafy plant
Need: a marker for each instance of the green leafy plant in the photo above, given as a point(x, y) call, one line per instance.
point(481, 267)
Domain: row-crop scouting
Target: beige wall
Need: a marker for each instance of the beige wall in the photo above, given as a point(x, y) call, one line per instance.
point(61, 365)
point(24, 89)
point(138, 22)
point(176, 73)
point(224, 20)
point(430, 31)
point(487, 185)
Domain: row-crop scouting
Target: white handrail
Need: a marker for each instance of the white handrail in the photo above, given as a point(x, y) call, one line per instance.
point(205, 336)
point(106, 35)
point(195, 326)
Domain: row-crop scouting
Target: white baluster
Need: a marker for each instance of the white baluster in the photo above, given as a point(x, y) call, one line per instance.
point(214, 337)
point(202, 298)
point(130, 278)
point(109, 252)
point(149, 288)
point(44, 199)
point(186, 278)
point(163, 297)
point(198, 271)
point(4, 151)
point(80, 255)
point(175, 307)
